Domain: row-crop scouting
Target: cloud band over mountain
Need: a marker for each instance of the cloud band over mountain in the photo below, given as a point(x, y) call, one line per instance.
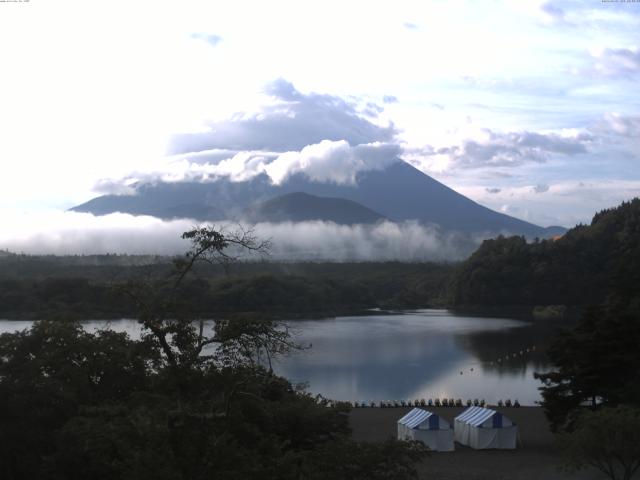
point(80, 233)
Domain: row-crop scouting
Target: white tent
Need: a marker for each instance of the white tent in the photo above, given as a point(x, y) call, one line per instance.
point(427, 427)
point(482, 428)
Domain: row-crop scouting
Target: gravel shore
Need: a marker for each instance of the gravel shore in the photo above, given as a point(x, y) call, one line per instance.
point(536, 458)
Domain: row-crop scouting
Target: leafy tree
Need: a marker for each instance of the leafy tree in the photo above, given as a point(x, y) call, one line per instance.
point(608, 440)
point(165, 309)
point(364, 461)
point(48, 373)
point(596, 364)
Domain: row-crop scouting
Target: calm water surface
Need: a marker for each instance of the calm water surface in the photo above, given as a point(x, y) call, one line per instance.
point(407, 355)
point(420, 354)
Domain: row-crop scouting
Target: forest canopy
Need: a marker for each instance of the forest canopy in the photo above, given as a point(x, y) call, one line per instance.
point(583, 267)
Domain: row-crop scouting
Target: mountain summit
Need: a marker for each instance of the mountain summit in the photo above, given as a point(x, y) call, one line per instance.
point(300, 207)
point(398, 192)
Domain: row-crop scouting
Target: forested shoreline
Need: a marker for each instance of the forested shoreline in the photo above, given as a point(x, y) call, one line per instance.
point(96, 287)
point(583, 267)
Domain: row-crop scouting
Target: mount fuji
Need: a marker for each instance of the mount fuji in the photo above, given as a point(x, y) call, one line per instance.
point(398, 192)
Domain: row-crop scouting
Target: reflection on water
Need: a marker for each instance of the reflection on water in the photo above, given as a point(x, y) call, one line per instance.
point(131, 327)
point(419, 354)
point(406, 355)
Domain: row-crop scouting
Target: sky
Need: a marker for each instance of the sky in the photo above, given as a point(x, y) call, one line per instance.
point(527, 107)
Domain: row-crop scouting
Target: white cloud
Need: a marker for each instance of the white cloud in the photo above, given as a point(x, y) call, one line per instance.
point(107, 186)
point(565, 203)
point(406, 241)
point(80, 233)
point(336, 162)
point(211, 38)
point(327, 161)
point(617, 62)
point(490, 149)
point(551, 13)
point(56, 232)
point(623, 125)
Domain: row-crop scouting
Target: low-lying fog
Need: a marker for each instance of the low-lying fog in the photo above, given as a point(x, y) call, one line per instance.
point(58, 232)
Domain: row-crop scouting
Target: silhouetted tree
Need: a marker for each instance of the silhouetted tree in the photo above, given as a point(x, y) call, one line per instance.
point(596, 363)
point(607, 440)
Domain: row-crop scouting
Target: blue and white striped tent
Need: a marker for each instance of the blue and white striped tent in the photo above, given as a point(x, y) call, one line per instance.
point(427, 427)
point(481, 428)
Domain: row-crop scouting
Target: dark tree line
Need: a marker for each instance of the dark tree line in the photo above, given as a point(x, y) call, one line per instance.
point(583, 267)
point(288, 291)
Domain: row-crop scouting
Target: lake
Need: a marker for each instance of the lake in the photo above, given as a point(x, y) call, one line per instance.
point(407, 355)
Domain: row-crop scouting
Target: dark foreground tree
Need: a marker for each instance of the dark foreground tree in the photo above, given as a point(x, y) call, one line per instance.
point(49, 374)
point(596, 364)
point(181, 403)
point(607, 440)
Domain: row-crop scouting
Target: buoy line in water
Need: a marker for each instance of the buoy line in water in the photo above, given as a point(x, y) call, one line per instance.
point(418, 403)
point(437, 402)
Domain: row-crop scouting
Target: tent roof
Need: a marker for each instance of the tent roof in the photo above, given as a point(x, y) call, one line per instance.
point(476, 416)
point(417, 417)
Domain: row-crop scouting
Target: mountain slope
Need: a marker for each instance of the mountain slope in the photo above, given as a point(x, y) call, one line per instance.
point(399, 192)
point(402, 192)
point(299, 207)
